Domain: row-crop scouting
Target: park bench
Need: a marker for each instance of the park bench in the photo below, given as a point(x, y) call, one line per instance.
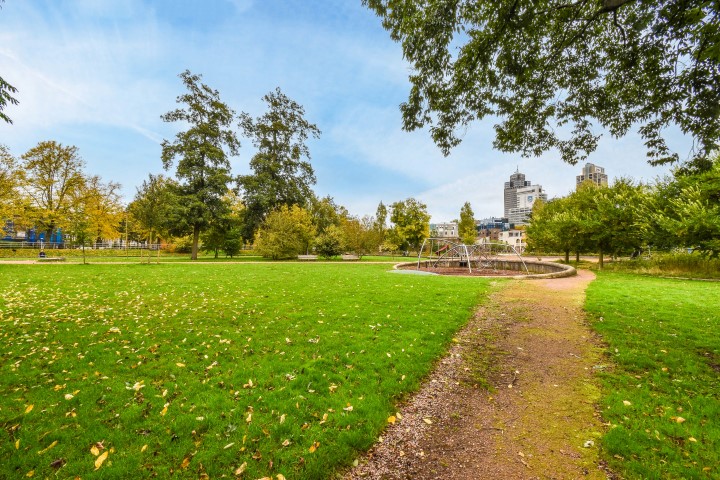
point(307, 257)
point(51, 259)
point(350, 257)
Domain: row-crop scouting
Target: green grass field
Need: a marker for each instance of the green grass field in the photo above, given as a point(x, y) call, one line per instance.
point(196, 371)
point(151, 256)
point(662, 382)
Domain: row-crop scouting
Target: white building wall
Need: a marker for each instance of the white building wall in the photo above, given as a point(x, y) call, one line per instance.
point(516, 238)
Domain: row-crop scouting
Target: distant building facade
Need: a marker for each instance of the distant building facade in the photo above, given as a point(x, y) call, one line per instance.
point(517, 180)
point(444, 230)
point(519, 196)
point(593, 173)
point(514, 238)
point(526, 197)
point(489, 229)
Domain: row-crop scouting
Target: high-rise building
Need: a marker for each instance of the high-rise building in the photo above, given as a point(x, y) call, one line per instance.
point(520, 195)
point(593, 173)
point(517, 180)
point(526, 197)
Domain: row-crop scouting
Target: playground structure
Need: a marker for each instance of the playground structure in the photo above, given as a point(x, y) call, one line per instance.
point(482, 256)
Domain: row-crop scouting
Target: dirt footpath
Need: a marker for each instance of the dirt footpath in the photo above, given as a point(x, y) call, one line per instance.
point(535, 419)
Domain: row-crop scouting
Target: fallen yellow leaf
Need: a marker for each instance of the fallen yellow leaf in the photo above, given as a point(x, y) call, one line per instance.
point(427, 420)
point(17, 445)
point(28, 409)
point(679, 419)
point(241, 469)
point(280, 476)
point(282, 418)
point(314, 447)
point(391, 419)
point(48, 448)
point(144, 447)
point(99, 461)
point(180, 364)
point(185, 463)
point(163, 411)
point(94, 450)
point(692, 439)
point(248, 419)
point(30, 473)
point(286, 442)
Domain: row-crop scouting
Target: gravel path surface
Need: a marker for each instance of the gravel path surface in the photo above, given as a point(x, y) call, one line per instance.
point(535, 420)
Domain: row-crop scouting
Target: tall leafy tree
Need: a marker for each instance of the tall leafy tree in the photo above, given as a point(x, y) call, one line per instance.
point(9, 182)
point(411, 223)
point(285, 233)
point(53, 180)
point(6, 98)
point(381, 215)
point(362, 235)
point(551, 70)
point(224, 233)
point(281, 170)
point(155, 206)
point(466, 226)
point(684, 211)
point(102, 206)
point(327, 213)
point(203, 167)
point(556, 226)
point(612, 222)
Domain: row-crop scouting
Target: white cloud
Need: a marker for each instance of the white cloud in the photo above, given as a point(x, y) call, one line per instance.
point(242, 5)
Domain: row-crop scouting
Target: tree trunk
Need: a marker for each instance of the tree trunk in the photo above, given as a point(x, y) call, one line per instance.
point(577, 257)
point(196, 241)
point(567, 256)
point(600, 259)
point(216, 252)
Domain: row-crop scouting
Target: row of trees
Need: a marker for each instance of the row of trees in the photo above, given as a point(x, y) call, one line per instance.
point(681, 211)
point(273, 206)
point(47, 188)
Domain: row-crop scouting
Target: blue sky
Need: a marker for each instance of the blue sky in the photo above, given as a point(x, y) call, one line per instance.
point(98, 74)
